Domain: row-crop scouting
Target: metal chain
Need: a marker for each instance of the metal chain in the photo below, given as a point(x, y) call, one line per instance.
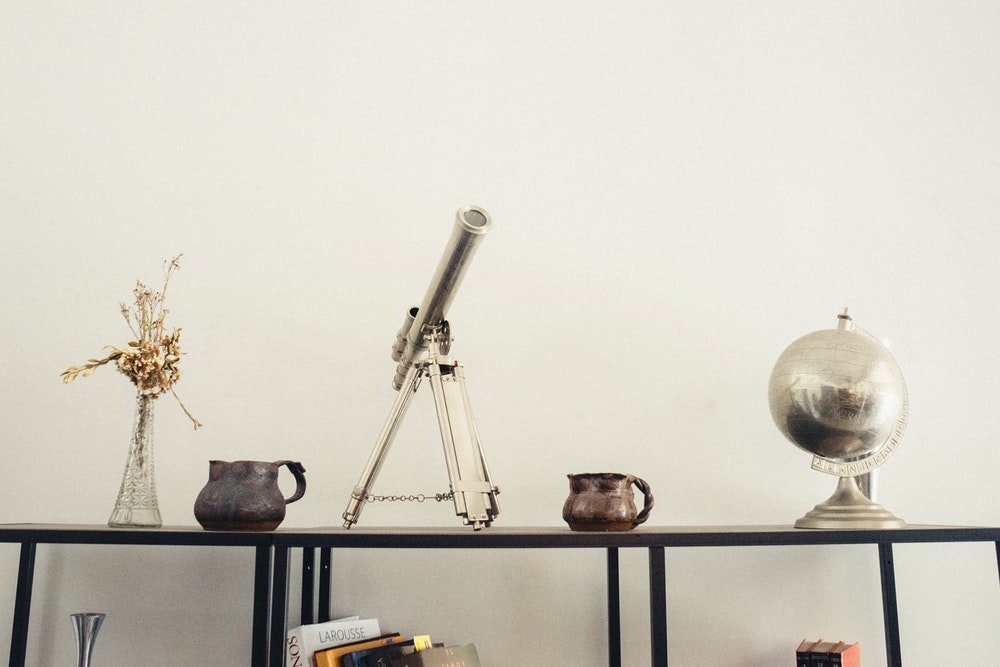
point(419, 497)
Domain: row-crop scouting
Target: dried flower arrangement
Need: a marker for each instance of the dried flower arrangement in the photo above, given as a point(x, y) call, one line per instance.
point(151, 360)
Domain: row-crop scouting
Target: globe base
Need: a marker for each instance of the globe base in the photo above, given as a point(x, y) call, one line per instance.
point(849, 509)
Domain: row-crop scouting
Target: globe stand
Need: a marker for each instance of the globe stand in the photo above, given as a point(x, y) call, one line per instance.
point(849, 508)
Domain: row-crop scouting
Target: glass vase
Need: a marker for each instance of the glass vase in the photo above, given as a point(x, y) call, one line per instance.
point(136, 505)
point(85, 626)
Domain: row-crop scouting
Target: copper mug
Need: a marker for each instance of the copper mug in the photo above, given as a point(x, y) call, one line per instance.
point(244, 495)
point(603, 501)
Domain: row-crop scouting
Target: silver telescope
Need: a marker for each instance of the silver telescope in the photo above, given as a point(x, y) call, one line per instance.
point(471, 225)
point(421, 348)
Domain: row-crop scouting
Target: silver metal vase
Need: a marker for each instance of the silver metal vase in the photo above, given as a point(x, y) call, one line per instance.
point(86, 625)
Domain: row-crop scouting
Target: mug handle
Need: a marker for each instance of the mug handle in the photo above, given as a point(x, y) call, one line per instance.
point(300, 479)
point(647, 499)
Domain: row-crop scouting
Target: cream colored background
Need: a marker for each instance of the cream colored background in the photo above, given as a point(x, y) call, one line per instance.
point(679, 190)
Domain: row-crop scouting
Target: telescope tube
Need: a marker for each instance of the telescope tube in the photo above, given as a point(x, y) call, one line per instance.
point(471, 225)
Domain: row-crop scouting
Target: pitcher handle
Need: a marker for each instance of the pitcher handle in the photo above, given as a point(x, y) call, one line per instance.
point(647, 500)
point(300, 479)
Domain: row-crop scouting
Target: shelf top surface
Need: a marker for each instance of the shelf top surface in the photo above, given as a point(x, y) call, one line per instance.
point(492, 537)
point(55, 533)
point(643, 536)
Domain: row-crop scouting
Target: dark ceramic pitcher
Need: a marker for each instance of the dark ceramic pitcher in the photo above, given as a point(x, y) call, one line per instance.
point(244, 495)
point(604, 501)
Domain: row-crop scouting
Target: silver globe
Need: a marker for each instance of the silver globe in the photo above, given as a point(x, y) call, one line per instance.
point(838, 394)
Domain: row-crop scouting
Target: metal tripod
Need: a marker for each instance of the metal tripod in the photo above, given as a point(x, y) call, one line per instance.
point(472, 490)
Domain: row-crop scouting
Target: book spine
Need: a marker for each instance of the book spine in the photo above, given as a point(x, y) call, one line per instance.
point(305, 640)
point(326, 659)
point(820, 656)
point(833, 657)
point(325, 635)
point(295, 652)
point(803, 654)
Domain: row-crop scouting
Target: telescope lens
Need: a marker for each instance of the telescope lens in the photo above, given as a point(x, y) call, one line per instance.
point(474, 218)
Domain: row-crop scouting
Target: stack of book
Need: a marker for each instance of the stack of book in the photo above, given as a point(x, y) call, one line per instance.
point(827, 654)
point(360, 642)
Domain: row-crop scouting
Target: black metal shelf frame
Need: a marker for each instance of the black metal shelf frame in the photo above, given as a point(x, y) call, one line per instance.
point(273, 552)
point(31, 535)
point(655, 539)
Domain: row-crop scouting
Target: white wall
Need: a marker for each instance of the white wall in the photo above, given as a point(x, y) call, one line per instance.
point(679, 190)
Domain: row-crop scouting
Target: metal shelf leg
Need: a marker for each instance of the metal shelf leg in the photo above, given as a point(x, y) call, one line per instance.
point(308, 577)
point(22, 604)
point(325, 582)
point(279, 606)
point(997, 543)
point(890, 613)
point(658, 606)
point(261, 604)
point(614, 610)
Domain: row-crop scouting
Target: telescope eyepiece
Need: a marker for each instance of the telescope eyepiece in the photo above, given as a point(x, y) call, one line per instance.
point(472, 223)
point(475, 218)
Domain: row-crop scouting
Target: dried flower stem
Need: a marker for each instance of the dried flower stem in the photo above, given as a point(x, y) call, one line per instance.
point(197, 424)
point(151, 360)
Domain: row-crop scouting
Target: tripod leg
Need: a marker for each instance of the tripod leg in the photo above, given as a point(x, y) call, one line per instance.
point(389, 429)
point(492, 496)
point(475, 495)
